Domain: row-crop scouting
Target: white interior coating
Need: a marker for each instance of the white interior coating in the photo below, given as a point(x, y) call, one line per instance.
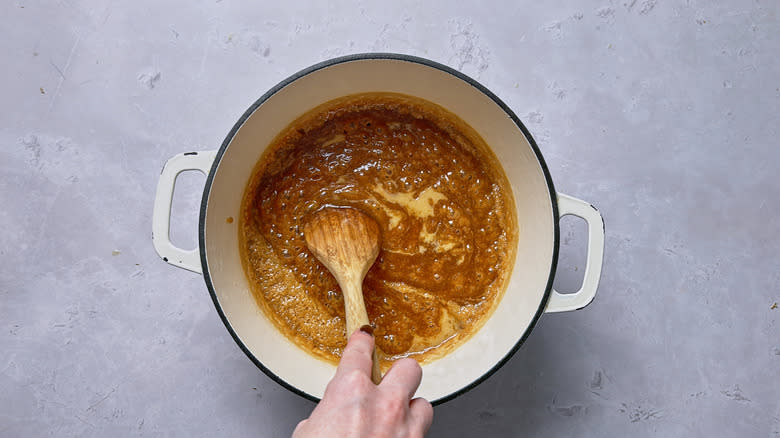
point(526, 289)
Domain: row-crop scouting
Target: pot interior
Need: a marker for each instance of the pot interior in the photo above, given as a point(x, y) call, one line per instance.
point(526, 294)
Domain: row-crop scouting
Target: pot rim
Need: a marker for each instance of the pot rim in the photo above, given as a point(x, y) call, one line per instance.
point(367, 57)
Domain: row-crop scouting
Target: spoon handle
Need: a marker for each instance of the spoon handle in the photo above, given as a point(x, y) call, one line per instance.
point(357, 317)
point(376, 373)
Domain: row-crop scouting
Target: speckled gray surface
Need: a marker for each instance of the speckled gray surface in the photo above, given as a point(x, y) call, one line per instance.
point(664, 114)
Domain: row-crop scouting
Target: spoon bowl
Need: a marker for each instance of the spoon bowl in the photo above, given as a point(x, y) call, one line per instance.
point(346, 241)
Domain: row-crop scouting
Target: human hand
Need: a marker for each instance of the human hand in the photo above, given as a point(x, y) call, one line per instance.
point(354, 407)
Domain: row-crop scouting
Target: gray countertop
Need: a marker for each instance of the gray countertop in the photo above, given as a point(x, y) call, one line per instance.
point(664, 114)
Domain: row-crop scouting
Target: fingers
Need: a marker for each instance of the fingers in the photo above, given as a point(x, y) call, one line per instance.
point(421, 414)
point(405, 374)
point(299, 428)
point(357, 355)
point(352, 404)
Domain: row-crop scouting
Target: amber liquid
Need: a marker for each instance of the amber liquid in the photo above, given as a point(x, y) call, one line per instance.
point(440, 197)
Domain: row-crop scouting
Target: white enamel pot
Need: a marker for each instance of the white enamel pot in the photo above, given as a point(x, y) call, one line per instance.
point(539, 209)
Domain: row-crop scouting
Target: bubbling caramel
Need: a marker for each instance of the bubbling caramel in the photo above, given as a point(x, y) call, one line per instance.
point(443, 205)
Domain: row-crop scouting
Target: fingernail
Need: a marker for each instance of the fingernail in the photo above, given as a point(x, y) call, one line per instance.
point(367, 329)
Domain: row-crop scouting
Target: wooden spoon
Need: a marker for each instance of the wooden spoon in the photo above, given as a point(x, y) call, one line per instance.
point(346, 241)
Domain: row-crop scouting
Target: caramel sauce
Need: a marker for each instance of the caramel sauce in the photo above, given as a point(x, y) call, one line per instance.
point(443, 204)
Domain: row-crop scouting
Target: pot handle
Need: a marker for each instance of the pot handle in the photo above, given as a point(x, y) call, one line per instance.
point(161, 217)
point(559, 302)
